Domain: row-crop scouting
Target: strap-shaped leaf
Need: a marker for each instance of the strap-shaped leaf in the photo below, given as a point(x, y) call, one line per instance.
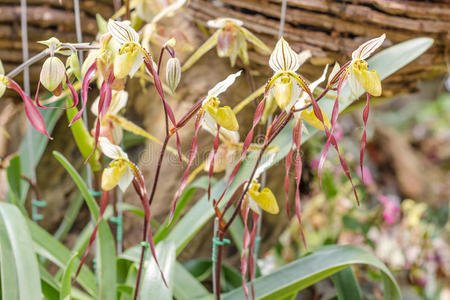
point(19, 267)
point(313, 268)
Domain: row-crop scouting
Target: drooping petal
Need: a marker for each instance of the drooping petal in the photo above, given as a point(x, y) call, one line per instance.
point(245, 146)
point(365, 117)
point(297, 137)
point(192, 155)
point(211, 159)
point(32, 112)
point(283, 58)
point(222, 86)
point(90, 73)
point(366, 49)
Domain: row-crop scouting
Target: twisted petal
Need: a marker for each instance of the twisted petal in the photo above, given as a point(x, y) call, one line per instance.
point(366, 49)
point(223, 85)
point(122, 31)
point(283, 58)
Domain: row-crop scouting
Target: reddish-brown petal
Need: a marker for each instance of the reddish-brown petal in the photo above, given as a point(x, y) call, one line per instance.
point(84, 90)
point(365, 117)
point(32, 112)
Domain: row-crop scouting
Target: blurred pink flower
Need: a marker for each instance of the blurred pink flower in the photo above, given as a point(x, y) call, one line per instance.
point(391, 208)
point(368, 179)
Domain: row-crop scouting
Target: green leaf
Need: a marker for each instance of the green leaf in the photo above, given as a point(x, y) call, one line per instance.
point(47, 246)
point(313, 268)
point(13, 176)
point(106, 262)
point(152, 284)
point(185, 286)
point(385, 62)
point(202, 183)
point(69, 217)
point(346, 285)
point(82, 187)
point(66, 286)
point(38, 144)
point(19, 267)
point(85, 142)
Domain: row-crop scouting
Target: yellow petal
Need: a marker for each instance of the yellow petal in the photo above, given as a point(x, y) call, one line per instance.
point(112, 175)
point(311, 119)
point(123, 63)
point(266, 200)
point(224, 116)
point(283, 92)
point(369, 80)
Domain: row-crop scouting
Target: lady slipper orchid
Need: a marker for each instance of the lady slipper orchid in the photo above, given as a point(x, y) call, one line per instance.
point(119, 171)
point(285, 84)
point(224, 116)
point(359, 76)
point(231, 40)
point(130, 56)
point(264, 199)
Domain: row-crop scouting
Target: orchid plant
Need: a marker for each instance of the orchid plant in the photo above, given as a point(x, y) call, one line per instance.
point(122, 52)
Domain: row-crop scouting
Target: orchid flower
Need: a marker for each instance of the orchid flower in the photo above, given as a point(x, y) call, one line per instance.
point(130, 56)
point(231, 40)
point(264, 199)
point(119, 171)
point(359, 76)
point(286, 84)
point(224, 116)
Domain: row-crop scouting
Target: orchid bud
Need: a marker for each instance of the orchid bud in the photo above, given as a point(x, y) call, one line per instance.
point(173, 73)
point(52, 74)
point(74, 65)
point(283, 91)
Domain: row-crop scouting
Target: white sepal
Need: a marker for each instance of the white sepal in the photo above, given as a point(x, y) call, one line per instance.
point(122, 31)
point(366, 49)
point(283, 58)
point(110, 150)
point(223, 85)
